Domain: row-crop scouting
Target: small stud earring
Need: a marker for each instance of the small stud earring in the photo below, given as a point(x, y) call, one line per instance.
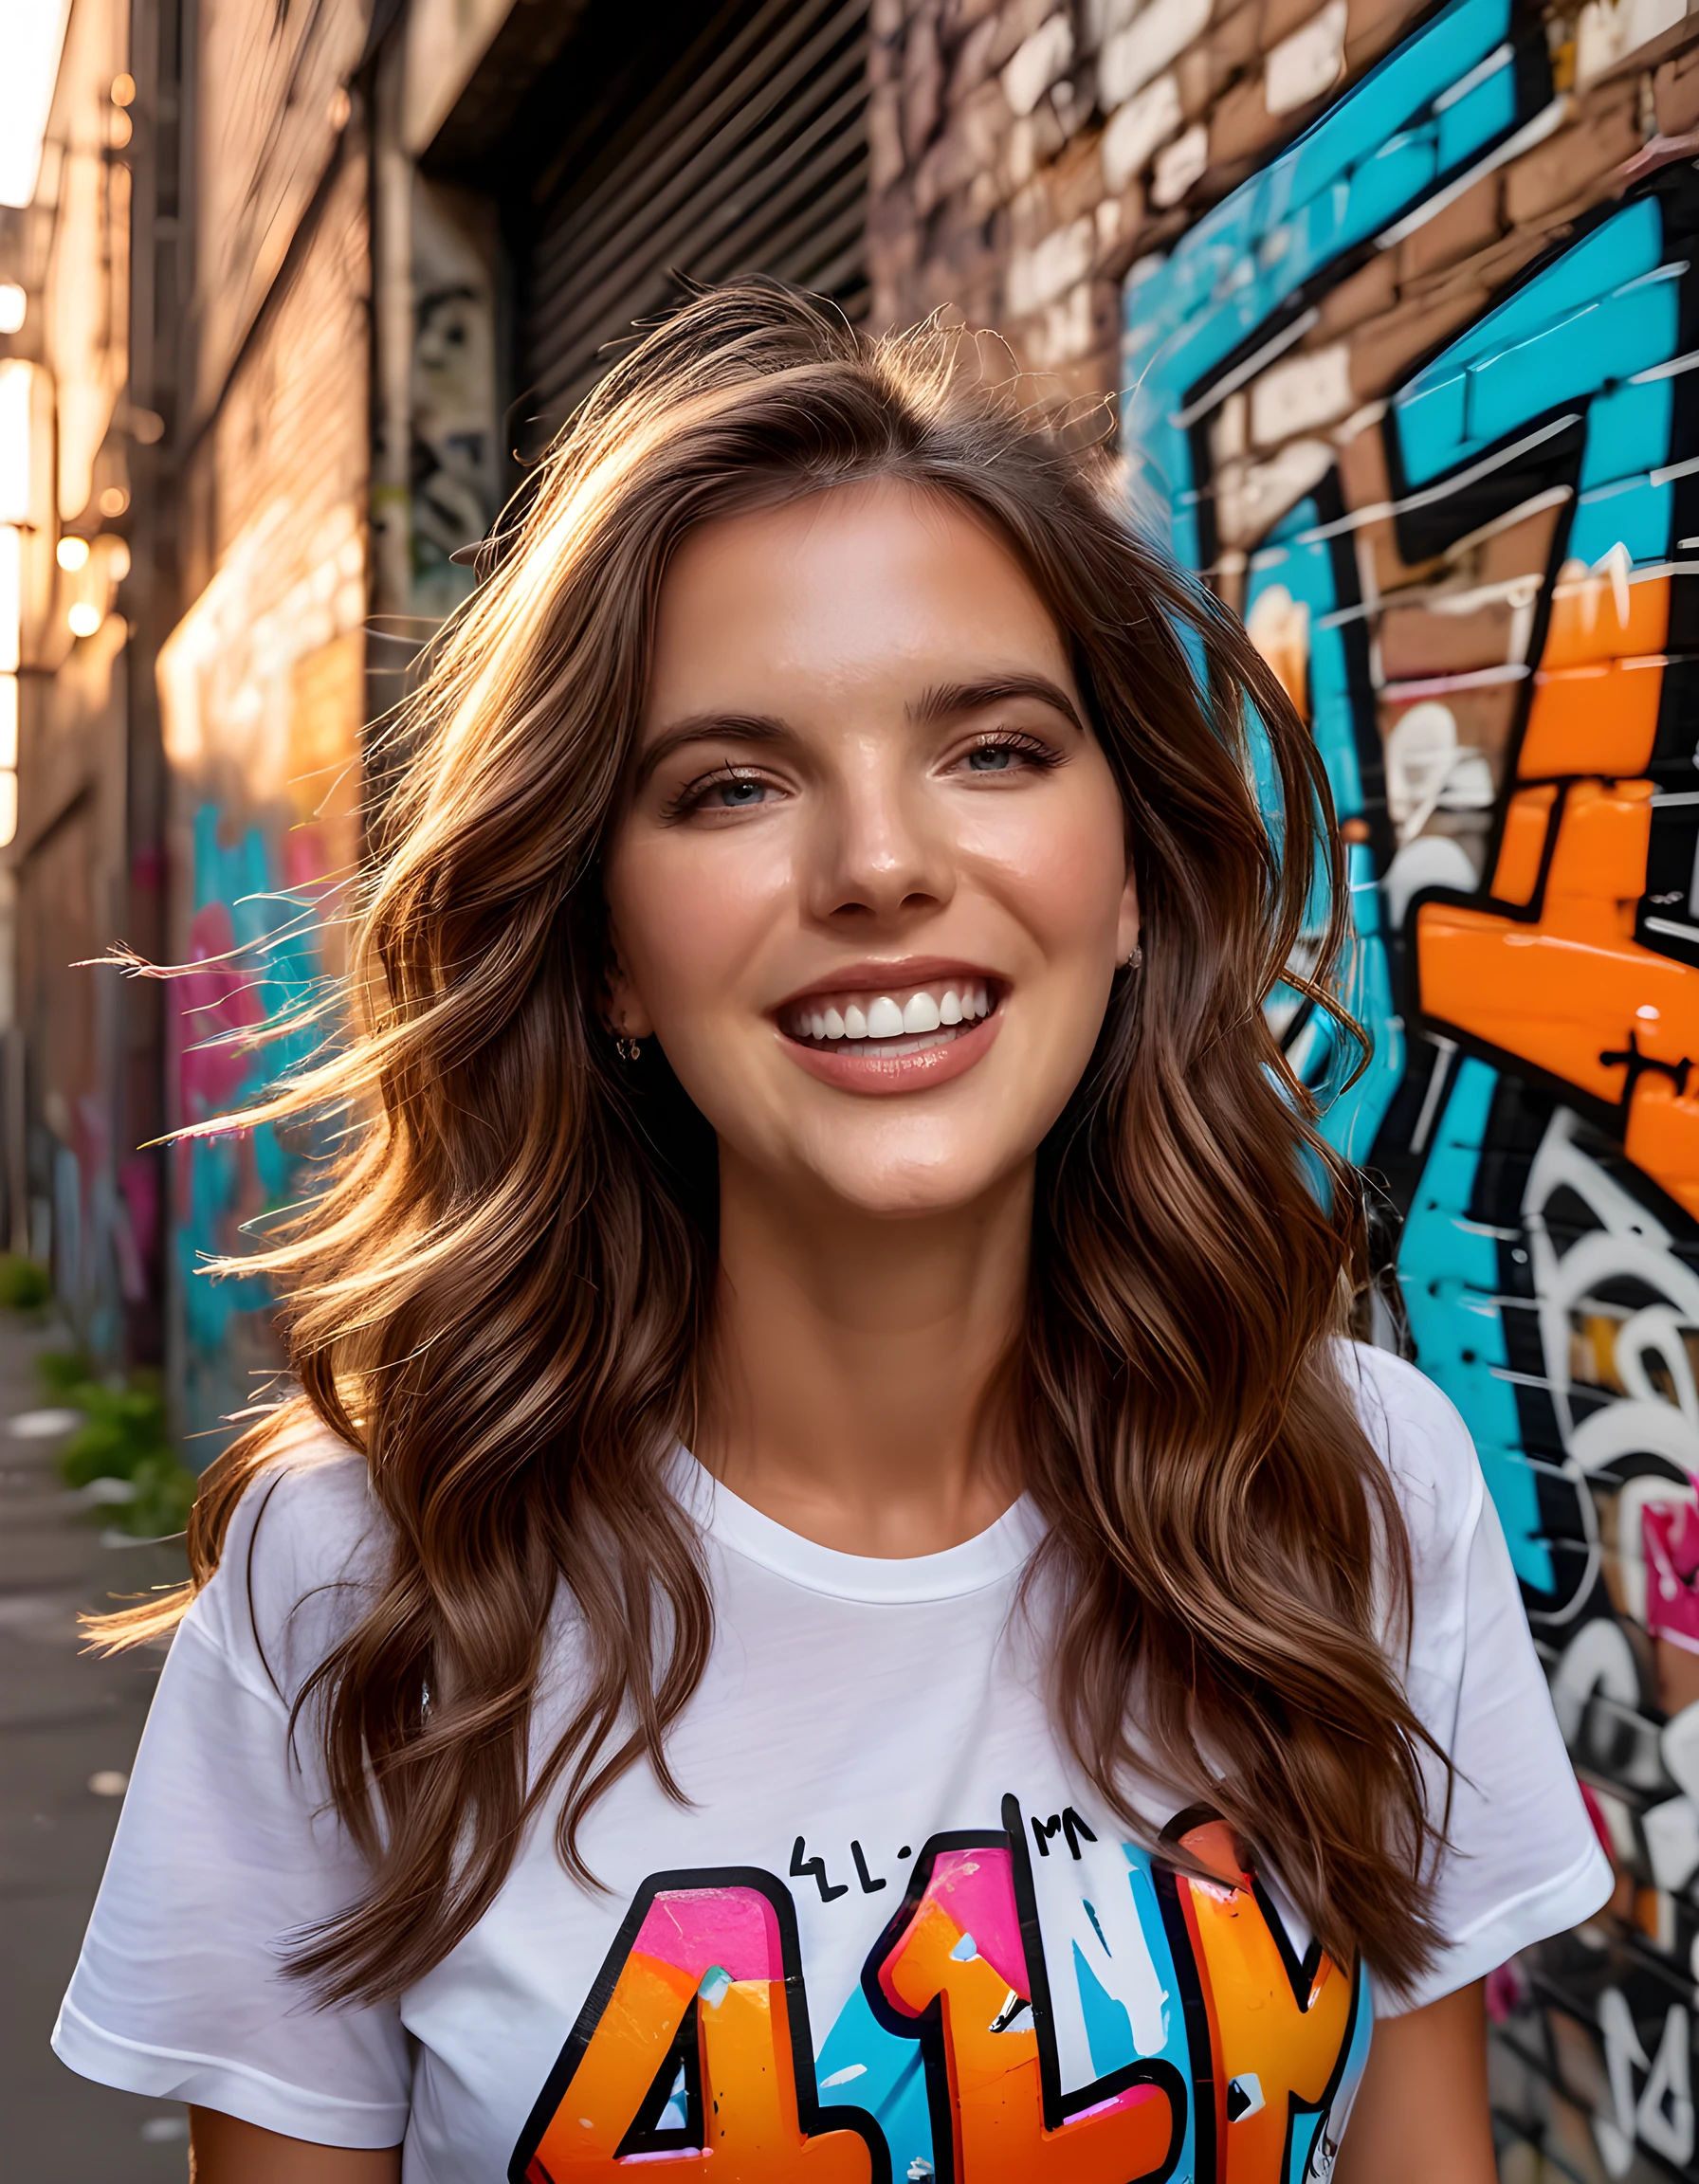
point(1136, 959)
point(628, 1049)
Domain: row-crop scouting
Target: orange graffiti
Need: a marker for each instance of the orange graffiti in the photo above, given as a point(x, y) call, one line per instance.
point(1277, 2045)
point(690, 1945)
point(1568, 990)
point(962, 1951)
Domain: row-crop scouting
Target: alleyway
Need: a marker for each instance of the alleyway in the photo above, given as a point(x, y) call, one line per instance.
point(68, 1729)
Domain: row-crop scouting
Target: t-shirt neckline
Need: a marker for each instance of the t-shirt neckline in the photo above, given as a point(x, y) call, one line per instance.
point(990, 1557)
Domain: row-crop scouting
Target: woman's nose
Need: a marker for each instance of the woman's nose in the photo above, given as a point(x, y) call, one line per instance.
point(881, 850)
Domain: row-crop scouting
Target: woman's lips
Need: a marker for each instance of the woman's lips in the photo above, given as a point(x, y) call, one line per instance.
point(904, 1040)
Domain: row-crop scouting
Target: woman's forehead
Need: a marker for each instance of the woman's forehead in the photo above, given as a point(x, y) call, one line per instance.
point(868, 588)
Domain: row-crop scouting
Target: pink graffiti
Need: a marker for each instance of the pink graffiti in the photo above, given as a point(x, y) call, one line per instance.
point(699, 1928)
point(218, 1001)
point(1669, 1542)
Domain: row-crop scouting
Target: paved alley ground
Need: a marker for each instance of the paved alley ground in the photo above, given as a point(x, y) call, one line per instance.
point(66, 1723)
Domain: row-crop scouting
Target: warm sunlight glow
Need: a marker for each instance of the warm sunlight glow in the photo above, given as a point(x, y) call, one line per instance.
point(8, 720)
point(72, 552)
point(12, 598)
point(8, 809)
point(14, 436)
point(14, 304)
point(31, 36)
point(84, 618)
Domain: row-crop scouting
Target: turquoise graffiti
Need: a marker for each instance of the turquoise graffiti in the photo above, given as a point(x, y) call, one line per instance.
point(255, 947)
point(1469, 569)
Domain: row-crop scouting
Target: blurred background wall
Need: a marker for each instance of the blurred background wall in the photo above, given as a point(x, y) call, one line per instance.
point(1401, 306)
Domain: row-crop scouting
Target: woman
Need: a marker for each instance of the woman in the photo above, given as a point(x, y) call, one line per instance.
point(834, 1602)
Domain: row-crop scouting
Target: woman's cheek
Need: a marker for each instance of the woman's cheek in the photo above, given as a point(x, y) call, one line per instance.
point(693, 916)
point(1061, 876)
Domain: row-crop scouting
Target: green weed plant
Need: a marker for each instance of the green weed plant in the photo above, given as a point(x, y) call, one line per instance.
point(123, 1435)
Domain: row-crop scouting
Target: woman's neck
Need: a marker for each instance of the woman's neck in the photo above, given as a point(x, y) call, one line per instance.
point(849, 1362)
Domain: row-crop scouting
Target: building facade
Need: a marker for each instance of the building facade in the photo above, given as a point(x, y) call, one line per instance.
point(1391, 314)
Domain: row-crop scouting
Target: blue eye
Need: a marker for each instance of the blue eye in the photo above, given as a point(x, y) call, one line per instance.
point(990, 758)
point(738, 795)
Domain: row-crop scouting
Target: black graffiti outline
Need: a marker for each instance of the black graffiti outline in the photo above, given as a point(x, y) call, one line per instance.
point(814, 2119)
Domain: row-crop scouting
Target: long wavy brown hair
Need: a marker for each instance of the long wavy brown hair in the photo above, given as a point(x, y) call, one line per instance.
point(501, 1293)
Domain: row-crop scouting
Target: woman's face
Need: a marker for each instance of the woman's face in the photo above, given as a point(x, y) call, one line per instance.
point(870, 888)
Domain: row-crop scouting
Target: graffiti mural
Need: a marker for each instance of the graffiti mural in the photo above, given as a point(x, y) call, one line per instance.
point(455, 468)
point(262, 701)
point(1473, 577)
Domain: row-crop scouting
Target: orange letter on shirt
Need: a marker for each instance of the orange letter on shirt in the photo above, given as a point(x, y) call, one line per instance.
point(952, 1971)
point(1280, 2031)
point(715, 1949)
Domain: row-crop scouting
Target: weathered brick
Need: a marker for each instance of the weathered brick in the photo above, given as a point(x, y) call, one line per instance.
point(1372, 25)
point(1362, 473)
point(1383, 349)
point(1198, 80)
point(1471, 224)
point(1373, 288)
point(1075, 179)
point(1241, 127)
point(1676, 90)
point(885, 159)
point(922, 85)
point(1520, 550)
point(1235, 39)
point(1415, 642)
point(971, 64)
point(1016, 20)
point(1561, 170)
point(1280, 18)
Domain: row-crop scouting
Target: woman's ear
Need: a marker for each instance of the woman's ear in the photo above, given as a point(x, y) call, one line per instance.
point(621, 1006)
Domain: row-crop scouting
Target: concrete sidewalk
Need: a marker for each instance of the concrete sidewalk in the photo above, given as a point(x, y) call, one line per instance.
point(66, 1723)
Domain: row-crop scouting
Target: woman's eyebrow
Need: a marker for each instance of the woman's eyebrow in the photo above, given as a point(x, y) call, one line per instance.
point(710, 728)
point(944, 700)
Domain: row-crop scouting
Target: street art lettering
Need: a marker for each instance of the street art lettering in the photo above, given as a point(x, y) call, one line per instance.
point(1189, 2043)
point(1475, 575)
point(694, 2042)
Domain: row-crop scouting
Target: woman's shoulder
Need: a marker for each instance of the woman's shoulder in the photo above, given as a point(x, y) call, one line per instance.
point(1420, 1435)
point(302, 1557)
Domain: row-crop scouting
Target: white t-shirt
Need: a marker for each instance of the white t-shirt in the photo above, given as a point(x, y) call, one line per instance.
point(891, 1936)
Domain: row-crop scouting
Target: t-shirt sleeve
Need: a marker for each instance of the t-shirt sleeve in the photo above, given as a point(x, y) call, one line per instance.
point(1520, 1860)
point(225, 1850)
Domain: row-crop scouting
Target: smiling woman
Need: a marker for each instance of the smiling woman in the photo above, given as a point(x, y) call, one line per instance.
point(835, 1601)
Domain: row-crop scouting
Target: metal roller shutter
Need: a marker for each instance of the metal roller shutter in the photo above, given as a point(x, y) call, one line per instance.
point(751, 155)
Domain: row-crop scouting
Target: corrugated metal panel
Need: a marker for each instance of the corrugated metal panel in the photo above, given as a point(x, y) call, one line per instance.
point(757, 162)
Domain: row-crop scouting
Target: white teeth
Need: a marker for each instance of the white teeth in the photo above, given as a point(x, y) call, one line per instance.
point(884, 1017)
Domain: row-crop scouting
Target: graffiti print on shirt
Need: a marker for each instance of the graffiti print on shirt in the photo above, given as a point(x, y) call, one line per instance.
point(1108, 2022)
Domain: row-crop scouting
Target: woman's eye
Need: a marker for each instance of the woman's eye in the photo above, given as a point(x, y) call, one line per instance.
point(1009, 754)
point(721, 792)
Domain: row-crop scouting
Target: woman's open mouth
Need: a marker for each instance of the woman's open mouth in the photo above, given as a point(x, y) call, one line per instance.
point(896, 1037)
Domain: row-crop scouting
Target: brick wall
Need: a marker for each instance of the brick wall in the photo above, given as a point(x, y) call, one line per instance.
point(1025, 156)
point(261, 680)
